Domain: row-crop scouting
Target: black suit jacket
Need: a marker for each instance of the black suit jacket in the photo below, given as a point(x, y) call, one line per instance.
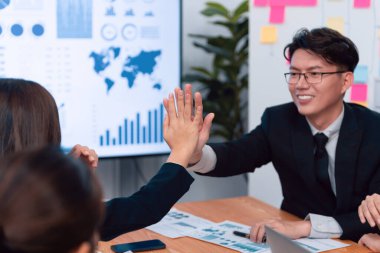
point(149, 204)
point(284, 138)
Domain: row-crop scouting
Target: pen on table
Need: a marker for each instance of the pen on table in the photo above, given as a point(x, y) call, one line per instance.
point(241, 234)
point(245, 235)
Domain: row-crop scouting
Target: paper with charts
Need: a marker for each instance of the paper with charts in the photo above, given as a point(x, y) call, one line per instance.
point(222, 234)
point(178, 224)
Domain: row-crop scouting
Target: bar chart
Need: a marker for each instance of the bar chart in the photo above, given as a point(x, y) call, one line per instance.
point(74, 19)
point(134, 132)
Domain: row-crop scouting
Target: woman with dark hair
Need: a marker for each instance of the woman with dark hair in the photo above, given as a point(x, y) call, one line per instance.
point(31, 121)
point(49, 203)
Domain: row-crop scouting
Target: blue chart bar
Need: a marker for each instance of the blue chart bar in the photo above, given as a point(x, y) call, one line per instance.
point(144, 134)
point(107, 137)
point(149, 126)
point(131, 132)
point(155, 126)
point(125, 131)
point(135, 132)
point(74, 19)
point(138, 127)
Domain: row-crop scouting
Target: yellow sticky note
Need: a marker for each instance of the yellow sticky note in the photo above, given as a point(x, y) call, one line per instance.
point(268, 34)
point(363, 103)
point(336, 23)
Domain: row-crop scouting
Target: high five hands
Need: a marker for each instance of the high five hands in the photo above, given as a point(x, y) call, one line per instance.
point(185, 131)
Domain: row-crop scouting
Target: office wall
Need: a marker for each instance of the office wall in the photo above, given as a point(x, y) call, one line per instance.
point(122, 177)
point(267, 65)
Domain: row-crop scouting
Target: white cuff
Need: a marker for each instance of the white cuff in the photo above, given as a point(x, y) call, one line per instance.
point(323, 227)
point(207, 162)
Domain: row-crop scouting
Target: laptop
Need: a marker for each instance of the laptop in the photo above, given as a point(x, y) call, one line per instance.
point(279, 243)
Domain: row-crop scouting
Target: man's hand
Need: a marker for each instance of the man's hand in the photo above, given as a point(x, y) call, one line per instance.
point(204, 126)
point(87, 155)
point(369, 210)
point(292, 229)
point(371, 241)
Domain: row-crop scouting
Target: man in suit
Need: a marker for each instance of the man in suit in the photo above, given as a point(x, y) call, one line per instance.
point(324, 150)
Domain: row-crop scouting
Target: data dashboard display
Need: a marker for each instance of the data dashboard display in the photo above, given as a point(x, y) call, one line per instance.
point(108, 64)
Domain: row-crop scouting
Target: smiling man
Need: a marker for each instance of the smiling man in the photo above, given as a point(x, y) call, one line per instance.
point(325, 151)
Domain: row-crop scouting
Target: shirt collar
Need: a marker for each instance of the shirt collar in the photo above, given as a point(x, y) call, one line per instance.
point(332, 129)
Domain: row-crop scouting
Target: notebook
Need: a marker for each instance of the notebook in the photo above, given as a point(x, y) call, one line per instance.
point(279, 243)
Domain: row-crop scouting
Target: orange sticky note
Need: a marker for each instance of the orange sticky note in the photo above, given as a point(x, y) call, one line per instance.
point(268, 34)
point(359, 92)
point(365, 104)
point(276, 15)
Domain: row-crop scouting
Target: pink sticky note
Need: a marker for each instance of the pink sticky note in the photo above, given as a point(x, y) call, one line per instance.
point(277, 2)
point(260, 2)
point(301, 2)
point(359, 92)
point(276, 14)
point(362, 3)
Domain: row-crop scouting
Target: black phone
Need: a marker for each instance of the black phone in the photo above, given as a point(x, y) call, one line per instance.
point(138, 246)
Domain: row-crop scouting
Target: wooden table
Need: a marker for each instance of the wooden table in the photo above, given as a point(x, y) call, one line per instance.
point(245, 210)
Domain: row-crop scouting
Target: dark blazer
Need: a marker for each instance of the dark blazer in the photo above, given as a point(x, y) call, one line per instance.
point(285, 138)
point(149, 204)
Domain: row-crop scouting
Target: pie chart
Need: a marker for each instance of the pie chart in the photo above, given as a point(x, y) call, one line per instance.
point(4, 3)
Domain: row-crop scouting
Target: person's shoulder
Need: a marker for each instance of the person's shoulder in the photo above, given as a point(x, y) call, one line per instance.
point(282, 108)
point(363, 113)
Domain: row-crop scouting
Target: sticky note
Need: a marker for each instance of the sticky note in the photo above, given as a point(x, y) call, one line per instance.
point(361, 103)
point(336, 23)
point(377, 93)
point(359, 92)
point(277, 2)
point(268, 34)
point(362, 3)
point(277, 14)
point(301, 2)
point(361, 74)
point(260, 2)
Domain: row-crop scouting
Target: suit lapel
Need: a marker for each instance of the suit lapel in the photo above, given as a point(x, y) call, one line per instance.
point(302, 141)
point(345, 158)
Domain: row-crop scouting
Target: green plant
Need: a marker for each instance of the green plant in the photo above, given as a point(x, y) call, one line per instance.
point(224, 85)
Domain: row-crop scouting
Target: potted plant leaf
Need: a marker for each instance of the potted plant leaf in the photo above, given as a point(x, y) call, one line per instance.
point(224, 85)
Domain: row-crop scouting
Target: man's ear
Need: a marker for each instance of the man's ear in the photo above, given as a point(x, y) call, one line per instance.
point(85, 247)
point(347, 81)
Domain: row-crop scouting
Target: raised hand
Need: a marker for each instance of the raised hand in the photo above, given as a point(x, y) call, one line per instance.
point(181, 128)
point(369, 210)
point(204, 126)
point(87, 155)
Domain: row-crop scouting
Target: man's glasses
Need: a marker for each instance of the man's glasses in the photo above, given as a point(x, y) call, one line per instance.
point(310, 77)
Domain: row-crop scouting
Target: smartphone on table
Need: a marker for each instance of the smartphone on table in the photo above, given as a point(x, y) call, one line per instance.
point(138, 246)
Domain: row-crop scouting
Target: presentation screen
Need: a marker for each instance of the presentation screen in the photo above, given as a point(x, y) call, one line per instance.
point(108, 64)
